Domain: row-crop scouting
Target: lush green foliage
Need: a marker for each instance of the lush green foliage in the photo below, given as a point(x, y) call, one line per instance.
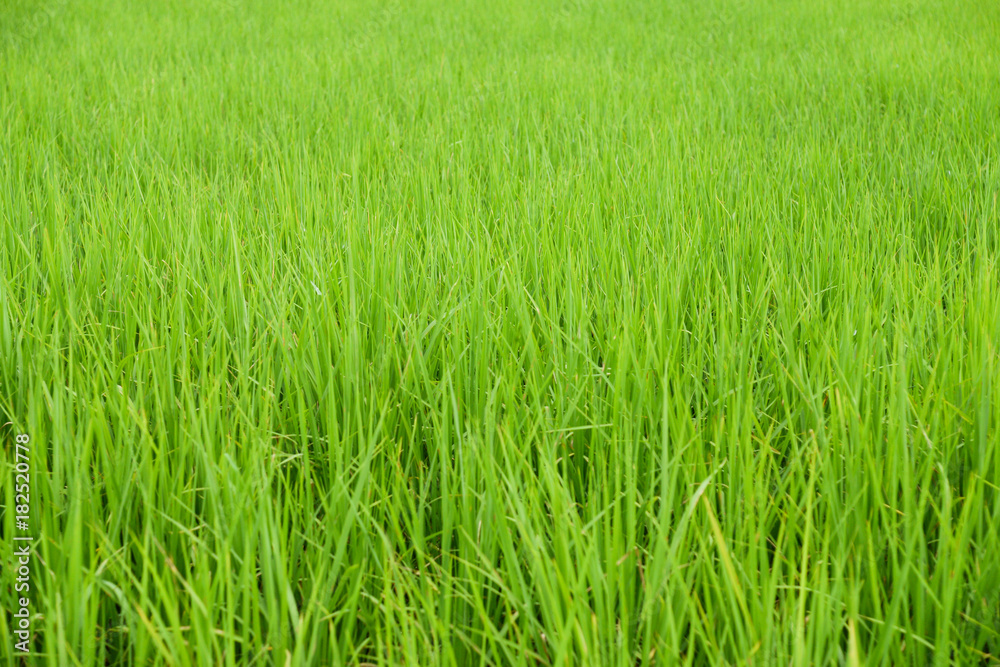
point(522, 333)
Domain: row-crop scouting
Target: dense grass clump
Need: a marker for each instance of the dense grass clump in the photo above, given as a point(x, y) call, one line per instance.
point(526, 333)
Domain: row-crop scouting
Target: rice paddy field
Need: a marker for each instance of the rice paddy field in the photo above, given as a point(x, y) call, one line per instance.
point(542, 332)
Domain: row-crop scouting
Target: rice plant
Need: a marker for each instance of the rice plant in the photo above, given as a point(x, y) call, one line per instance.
point(561, 332)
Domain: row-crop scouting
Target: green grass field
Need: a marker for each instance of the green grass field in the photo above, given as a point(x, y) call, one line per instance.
point(543, 332)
